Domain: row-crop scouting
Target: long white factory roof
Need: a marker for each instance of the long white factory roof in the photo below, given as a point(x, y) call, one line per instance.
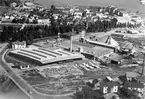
point(45, 56)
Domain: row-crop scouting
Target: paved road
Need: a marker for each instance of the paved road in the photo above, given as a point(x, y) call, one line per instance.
point(22, 84)
point(18, 80)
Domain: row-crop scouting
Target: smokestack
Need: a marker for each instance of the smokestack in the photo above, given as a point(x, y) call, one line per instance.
point(143, 67)
point(71, 43)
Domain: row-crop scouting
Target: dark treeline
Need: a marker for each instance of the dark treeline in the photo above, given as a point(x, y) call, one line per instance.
point(11, 33)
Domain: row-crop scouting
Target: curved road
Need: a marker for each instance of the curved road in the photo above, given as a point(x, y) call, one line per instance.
point(22, 84)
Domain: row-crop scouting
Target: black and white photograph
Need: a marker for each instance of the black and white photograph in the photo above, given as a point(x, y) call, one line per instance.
point(72, 49)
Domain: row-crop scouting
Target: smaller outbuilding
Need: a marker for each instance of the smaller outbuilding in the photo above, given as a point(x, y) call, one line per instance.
point(115, 58)
point(18, 45)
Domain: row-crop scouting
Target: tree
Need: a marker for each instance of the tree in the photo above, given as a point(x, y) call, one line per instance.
point(52, 9)
point(84, 14)
point(114, 22)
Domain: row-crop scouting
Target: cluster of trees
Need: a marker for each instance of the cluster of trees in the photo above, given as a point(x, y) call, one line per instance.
point(11, 33)
point(29, 33)
point(129, 25)
point(102, 26)
point(41, 14)
point(98, 26)
point(25, 20)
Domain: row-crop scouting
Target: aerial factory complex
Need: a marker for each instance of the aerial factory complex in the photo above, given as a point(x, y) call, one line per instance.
point(73, 52)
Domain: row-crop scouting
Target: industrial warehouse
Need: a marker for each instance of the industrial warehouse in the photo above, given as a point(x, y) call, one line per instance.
point(41, 56)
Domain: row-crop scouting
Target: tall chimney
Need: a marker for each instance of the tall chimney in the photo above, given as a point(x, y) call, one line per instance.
point(143, 67)
point(71, 43)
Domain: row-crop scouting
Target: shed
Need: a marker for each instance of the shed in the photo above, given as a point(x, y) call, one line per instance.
point(126, 46)
point(115, 58)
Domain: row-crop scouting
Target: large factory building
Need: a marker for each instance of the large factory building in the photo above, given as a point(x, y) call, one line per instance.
point(42, 56)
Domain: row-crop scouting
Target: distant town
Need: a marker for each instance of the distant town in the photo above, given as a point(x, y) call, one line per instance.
point(72, 52)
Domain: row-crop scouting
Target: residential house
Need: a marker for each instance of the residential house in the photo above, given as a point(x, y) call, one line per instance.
point(18, 45)
point(78, 13)
point(44, 21)
point(108, 85)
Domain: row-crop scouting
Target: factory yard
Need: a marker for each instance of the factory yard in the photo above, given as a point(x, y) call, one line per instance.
point(64, 77)
point(56, 71)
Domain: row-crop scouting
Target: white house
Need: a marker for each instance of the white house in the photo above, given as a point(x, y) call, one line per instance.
point(44, 21)
point(18, 45)
point(78, 13)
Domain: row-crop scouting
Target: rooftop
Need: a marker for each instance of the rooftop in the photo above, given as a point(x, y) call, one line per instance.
point(45, 56)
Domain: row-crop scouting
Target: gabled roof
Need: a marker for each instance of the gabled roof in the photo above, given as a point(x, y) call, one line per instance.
point(108, 40)
point(134, 84)
point(132, 74)
point(115, 57)
point(126, 45)
point(103, 39)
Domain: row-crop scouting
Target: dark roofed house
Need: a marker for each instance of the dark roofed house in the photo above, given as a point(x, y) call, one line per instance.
point(129, 76)
point(92, 94)
point(134, 86)
point(108, 85)
point(115, 58)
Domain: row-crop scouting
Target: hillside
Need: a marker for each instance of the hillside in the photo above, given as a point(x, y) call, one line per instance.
point(8, 2)
point(128, 4)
